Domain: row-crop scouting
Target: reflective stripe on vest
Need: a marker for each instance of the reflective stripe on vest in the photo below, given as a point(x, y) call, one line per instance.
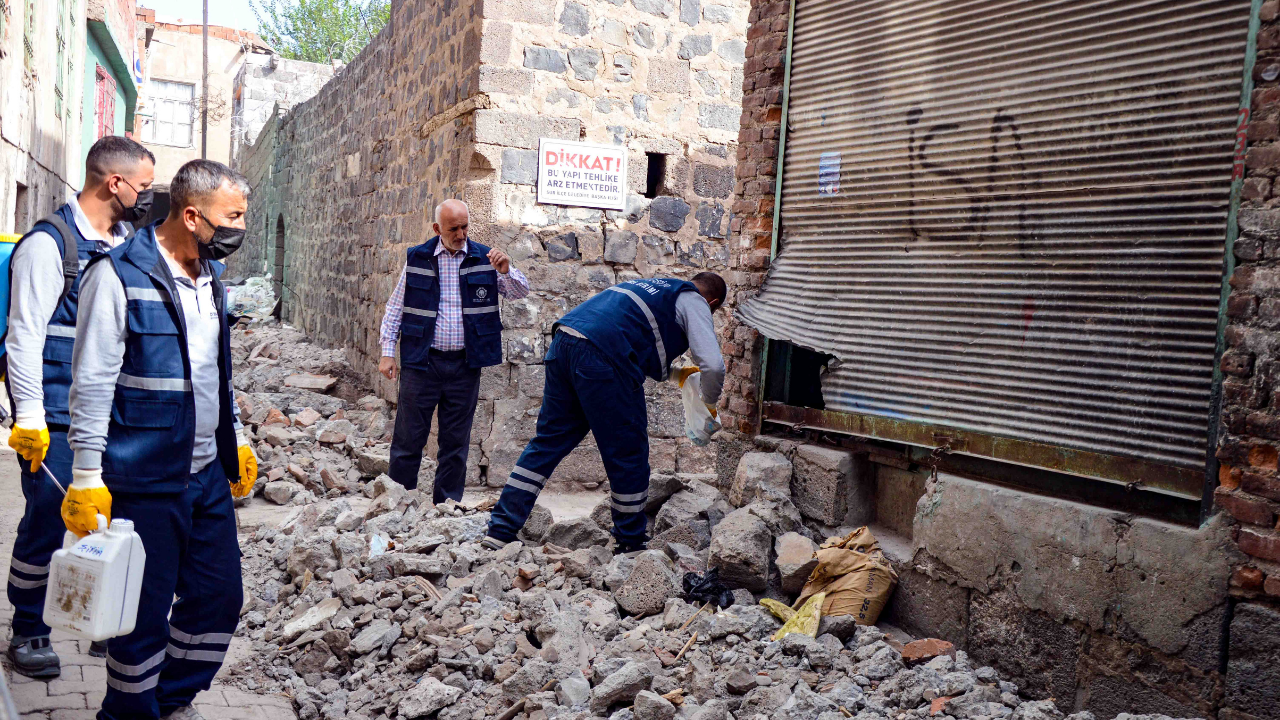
point(653, 322)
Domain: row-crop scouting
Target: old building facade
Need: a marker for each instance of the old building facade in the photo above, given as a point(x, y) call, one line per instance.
point(1105, 588)
point(65, 81)
point(172, 100)
point(451, 100)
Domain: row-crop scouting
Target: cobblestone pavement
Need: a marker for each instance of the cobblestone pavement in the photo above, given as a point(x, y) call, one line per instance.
point(77, 693)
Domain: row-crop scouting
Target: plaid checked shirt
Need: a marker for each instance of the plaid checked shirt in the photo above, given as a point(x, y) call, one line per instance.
point(449, 332)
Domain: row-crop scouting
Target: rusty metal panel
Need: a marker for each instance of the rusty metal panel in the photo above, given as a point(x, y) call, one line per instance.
point(1008, 216)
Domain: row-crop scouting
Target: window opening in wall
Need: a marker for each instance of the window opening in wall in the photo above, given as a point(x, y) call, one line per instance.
point(173, 105)
point(657, 174)
point(21, 211)
point(105, 105)
point(794, 375)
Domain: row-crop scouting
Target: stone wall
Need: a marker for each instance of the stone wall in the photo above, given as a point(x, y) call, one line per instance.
point(266, 81)
point(352, 171)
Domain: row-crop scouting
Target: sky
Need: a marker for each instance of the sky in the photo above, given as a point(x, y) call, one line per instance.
point(229, 13)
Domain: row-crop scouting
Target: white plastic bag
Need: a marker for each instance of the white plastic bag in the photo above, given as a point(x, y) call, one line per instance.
point(699, 423)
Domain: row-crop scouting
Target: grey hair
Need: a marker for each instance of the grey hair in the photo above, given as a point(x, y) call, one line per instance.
point(441, 207)
point(198, 179)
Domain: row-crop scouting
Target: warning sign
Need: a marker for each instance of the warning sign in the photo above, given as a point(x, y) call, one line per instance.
point(582, 174)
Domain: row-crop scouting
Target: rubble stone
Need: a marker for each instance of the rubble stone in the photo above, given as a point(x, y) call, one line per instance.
point(757, 471)
point(652, 706)
point(650, 583)
point(740, 548)
point(795, 560)
point(538, 525)
point(281, 492)
point(622, 685)
point(576, 533)
point(428, 696)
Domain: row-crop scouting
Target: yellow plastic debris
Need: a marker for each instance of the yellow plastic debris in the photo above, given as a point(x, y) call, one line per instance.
point(780, 611)
point(805, 620)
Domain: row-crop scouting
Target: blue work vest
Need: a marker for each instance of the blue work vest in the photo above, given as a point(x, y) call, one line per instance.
point(151, 437)
point(634, 325)
point(478, 284)
point(60, 335)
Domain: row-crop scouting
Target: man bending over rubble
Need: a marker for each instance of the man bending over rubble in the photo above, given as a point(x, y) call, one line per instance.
point(602, 352)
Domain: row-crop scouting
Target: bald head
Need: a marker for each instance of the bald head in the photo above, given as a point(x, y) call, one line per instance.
point(452, 219)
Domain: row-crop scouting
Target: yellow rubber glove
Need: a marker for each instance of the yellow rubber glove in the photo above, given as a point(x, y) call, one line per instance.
point(87, 498)
point(248, 473)
point(30, 439)
point(683, 373)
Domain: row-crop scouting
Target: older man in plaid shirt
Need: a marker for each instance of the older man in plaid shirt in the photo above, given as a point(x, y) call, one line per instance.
point(444, 312)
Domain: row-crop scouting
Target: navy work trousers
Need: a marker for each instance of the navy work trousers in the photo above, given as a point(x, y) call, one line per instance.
point(583, 392)
point(39, 535)
point(452, 387)
point(177, 646)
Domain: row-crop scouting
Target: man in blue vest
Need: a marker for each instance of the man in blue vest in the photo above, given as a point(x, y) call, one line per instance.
point(157, 439)
point(599, 358)
point(44, 277)
point(444, 312)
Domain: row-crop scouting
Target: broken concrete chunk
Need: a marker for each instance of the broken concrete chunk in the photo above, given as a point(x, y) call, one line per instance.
point(281, 492)
point(622, 685)
point(311, 619)
point(314, 383)
point(427, 697)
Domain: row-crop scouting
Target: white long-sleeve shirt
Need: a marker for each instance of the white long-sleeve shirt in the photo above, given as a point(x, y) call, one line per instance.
point(37, 281)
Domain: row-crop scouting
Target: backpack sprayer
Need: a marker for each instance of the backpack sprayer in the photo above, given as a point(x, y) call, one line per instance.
point(94, 581)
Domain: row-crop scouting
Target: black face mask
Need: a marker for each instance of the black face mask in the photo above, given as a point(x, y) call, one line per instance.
point(141, 206)
point(225, 241)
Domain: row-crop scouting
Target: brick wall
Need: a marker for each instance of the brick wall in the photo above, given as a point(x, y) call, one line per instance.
point(1250, 484)
point(752, 228)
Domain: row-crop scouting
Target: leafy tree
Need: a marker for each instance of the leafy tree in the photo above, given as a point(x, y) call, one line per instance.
point(320, 30)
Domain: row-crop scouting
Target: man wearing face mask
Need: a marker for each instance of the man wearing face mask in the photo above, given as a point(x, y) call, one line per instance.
point(157, 438)
point(44, 277)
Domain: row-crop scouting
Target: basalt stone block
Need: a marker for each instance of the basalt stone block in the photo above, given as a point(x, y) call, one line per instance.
point(643, 36)
point(520, 167)
point(713, 181)
point(710, 217)
point(668, 213)
point(719, 117)
point(694, 46)
point(546, 59)
point(575, 20)
point(585, 62)
point(661, 8)
point(690, 12)
point(1253, 661)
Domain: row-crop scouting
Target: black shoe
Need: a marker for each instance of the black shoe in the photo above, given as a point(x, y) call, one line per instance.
point(98, 649)
point(34, 657)
point(628, 548)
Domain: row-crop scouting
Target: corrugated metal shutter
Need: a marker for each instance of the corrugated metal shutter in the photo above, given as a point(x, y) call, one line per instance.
point(1009, 217)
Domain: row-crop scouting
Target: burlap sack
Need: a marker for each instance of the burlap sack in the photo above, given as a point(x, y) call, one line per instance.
point(854, 574)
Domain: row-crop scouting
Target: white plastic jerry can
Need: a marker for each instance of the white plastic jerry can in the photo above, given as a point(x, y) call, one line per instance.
point(94, 582)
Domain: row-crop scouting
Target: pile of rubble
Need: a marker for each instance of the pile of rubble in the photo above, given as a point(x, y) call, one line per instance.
point(316, 428)
point(384, 606)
